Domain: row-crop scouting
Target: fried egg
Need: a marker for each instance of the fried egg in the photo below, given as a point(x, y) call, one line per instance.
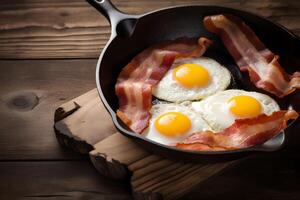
point(192, 79)
point(221, 110)
point(172, 123)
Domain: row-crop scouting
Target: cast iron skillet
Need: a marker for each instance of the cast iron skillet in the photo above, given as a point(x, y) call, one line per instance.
point(130, 34)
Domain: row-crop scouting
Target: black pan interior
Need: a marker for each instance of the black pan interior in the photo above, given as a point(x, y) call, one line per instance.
point(186, 21)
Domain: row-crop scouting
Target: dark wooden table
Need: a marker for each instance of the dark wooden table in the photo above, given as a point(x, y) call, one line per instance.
point(48, 53)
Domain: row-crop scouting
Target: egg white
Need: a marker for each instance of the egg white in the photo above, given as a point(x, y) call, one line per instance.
point(215, 110)
point(170, 90)
point(197, 123)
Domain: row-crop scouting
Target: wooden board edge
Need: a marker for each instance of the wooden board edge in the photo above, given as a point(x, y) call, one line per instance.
point(60, 113)
point(63, 112)
point(71, 106)
point(106, 165)
point(81, 147)
point(116, 170)
point(110, 167)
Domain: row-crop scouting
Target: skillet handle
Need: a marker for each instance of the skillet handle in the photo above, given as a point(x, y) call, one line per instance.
point(121, 24)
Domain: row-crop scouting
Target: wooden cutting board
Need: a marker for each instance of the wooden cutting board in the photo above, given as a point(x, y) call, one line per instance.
point(84, 125)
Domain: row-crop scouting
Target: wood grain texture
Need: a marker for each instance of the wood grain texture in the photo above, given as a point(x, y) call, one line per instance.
point(61, 180)
point(260, 178)
point(274, 177)
point(29, 134)
point(73, 29)
point(90, 123)
point(82, 122)
point(152, 175)
point(118, 157)
point(35, 29)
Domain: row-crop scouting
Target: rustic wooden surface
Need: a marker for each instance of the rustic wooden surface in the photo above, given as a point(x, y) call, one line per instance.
point(77, 126)
point(66, 37)
point(29, 134)
point(73, 29)
point(151, 175)
point(66, 180)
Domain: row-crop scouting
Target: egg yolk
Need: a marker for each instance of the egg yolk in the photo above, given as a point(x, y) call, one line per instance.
point(172, 124)
point(191, 75)
point(244, 106)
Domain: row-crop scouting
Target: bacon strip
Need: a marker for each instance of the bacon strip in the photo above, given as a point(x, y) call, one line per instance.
point(241, 134)
point(135, 82)
point(251, 55)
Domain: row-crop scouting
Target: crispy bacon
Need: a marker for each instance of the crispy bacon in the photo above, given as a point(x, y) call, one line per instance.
point(251, 55)
point(241, 134)
point(135, 82)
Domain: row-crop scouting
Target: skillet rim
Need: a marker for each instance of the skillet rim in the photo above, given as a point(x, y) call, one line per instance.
point(133, 135)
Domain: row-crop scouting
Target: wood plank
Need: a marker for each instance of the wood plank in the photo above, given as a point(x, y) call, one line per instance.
point(259, 178)
point(64, 180)
point(73, 29)
point(263, 177)
point(82, 122)
point(28, 134)
point(153, 176)
point(91, 123)
point(89, 127)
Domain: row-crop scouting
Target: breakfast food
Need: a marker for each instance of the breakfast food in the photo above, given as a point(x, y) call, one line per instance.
point(242, 133)
point(172, 123)
point(135, 82)
point(222, 109)
point(192, 79)
point(251, 55)
point(203, 115)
